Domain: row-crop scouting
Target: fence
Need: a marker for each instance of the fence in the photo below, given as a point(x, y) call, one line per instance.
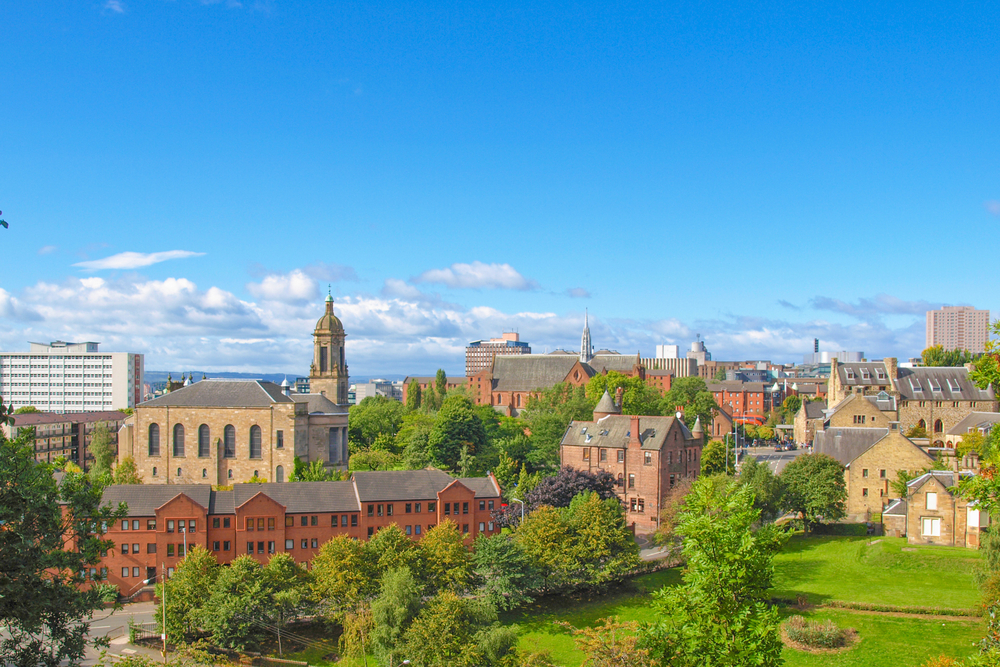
point(139, 631)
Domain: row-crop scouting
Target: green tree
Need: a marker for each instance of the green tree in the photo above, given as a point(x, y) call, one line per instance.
point(936, 355)
point(456, 428)
point(604, 549)
point(545, 537)
point(374, 459)
point(392, 612)
point(638, 398)
point(412, 438)
point(720, 375)
point(126, 472)
point(765, 485)
point(413, 396)
point(720, 614)
point(104, 454)
point(27, 410)
point(441, 383)
point(548, 414)
point(186, 589)
point(390, 549)
point(46, 555)
point(290, 585)
point(612, 643)
point(507, 574)
point(713, 459)
point(691, 394)
point(814, 486)
point(342, 575)
point(372, 417)
point(240, 600)
point(448, 562)
point(451, 631)
point(790, 406)
point(312, 472)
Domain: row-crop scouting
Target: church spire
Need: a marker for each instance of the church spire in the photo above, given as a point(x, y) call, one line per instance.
point(586, 349)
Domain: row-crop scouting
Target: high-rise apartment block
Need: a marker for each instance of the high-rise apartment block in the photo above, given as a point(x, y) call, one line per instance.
point(958, 328)
point(479, 353)
point(71, 377)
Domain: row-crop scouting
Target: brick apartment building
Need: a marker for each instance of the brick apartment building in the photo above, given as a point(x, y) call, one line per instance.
point(646, 455)
point(165, 521)
point(68, 435)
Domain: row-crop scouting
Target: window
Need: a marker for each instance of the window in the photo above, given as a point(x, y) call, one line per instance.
point(280, 440)
point(409, 530)
point(255, 442)
point(642, 505)
point(491, 525)
point(151, 548)
point(482, 526)
point(125, 524)
point(634, 504)
point(482, 505)
point(215, 522)
point(864, 493)
point(279, 474)
point(215, 546)
point(314, 520)
point(416, 529)
point(250, 548)
point(229, 442)
point(180, 550)
point(586, 453)
point(289, 545)
point(270, 523)
point(604, 455)
point(260, 523)
point(314, 543)
point(371, 510)
point(260, 547)
point(455, 509)
point(388, 509)
point(859, 419)
point(490, 504)
point(670, 458)
point(154, 440)
point(170, 551)
point(150, 524)
point(881, 474)
point(154, 471)
point(249, 524)
point(225, 523)
point(270, 547)
point(135, 524)
point(124, 572)
point(465, 527)
point(343, 520)
point(416, 508)
point(191, 526)
point(354, 521)
point(431, 507)
point(204, 441)
point(230, 474)
point(648, 458)
point(938, 427)
point(125, 548)
point(465, 508)
point(931, 500)
point(178, 472)
point(409, 508)
point(204, 473)
point(620, 481)
point(135, 547)
point(621, 456)
point(170, 525)
point(864, 473)
point(631, 480)
point(379, 510)
point(178, 440)
point(930, 526)
point(371, 531)
point(225, 546)
point(447, 508)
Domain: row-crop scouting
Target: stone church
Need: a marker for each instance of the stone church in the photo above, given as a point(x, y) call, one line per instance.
point(223, 432)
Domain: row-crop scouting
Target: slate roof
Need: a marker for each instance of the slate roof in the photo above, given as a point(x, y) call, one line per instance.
point(814, 409)
point(319, 404)
point(975, 420)
point(39, 418)
point(859, 369)
point(602, 363)
point(737, 386)
point(940, 383)
point(884, 403)
point(223, 394)
point(531, 372)
point(895, 508)
point(607, 405)
point(483, 487)
point(143, 499)
point(847, 443)
point(300, 497)
point(615, 430)
point(400, 484)
point(946, 477)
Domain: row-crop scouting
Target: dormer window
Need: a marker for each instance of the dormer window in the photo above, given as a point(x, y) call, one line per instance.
point(953, 386)
point(915, 386)
point(935, 386)
point(880, 373)
point(850, 373)
point(865, 374)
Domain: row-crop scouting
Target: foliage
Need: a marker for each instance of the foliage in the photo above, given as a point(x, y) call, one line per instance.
point(456, 429)
point(814, 486)
point(612, 643)
point(126, 472)
point(314, 472)
point(547, 415)
point(984, 489)
point(27, 410)
point(342, 575)
point(692, 395)
point(670, 509)
point(790, 406)
point(372, 417)
point(938, 356)
point(638, 398)
point(186, 593)
point(256, 479)
point(448, 562)
point(414, 431)
point(103, 453)
point(453, 631)
point(413, 396)
point(545, 538)
point(603, 547)
point(290, 585)
point(714, 460)
point(239, 602)
point(557, 491)
point(357, 627)
point(441, 382)
point(899, 485)
point(720, 375)
point(916, 431)
point(506, 573)
point(815, 634)
point(765, 485)
point(392, 612)
point(390, 549)
point(719, 615)
point(374, 459)
point(986, 372)
point(44, 555)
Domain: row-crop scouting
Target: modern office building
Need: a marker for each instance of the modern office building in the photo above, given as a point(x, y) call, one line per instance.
point(479, 353)
point(71, 377)
point(958, 328)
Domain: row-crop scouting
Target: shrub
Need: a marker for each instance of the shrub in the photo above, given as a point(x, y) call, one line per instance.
point(824, 634)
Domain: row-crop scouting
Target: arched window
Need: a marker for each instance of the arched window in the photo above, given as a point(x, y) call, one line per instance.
point(178, 439)
point(938, 426)
point(230, 441)
point(230, 474)
point(922, 424)
point(154, 439)
point(279, 474)
point(621, 480)
point(204, 473)
point(178, 472)
point(204, 440)
point(154, 471)
point(255, 442)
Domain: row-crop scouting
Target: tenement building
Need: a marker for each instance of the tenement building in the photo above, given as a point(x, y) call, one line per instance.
point(66, 435)
point(260, 520)
point(227, 431)
point(647, 456)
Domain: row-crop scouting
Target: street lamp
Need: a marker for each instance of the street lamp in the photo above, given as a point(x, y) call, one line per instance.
point(517, 500)
point(144, 582)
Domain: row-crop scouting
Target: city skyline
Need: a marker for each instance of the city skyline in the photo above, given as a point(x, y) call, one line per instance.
point(185, 179)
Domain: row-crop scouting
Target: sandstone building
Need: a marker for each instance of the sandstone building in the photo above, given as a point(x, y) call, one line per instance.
point(931, 514)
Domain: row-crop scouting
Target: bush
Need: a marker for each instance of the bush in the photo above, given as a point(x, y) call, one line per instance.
point(815, 634)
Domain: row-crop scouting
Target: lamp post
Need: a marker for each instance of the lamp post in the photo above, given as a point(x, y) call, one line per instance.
point(518, 500)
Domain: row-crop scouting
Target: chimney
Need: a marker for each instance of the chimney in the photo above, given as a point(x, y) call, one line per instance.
point(680, 412)
point(633, 428)
point(891, 369)
point(619, 395)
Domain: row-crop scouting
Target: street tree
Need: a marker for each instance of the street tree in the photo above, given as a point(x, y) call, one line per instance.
point(814, 487)
point(719, 615)
point(187, 590)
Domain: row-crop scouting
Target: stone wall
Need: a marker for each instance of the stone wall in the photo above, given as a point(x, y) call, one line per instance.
point(869, 475)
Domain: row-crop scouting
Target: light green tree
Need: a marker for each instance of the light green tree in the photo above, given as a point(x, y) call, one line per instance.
point(713, 459)
point(452, 631)
point(546, 538)
point(691, 394)
point(447, 560)
point(413, 396)
point(342, 576)
point(604, 549)
point(126, 472)
point(638, 398)
point(103, 452)
point(372, 417)
point(392, 612)
point(814, 487)
point(194, 576)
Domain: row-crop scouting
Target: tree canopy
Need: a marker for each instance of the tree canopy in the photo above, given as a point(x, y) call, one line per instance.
point(691, 394)
point(638, 398)
point(457, 429)
point(373, 417)
point(936, 355)
point(814, 486)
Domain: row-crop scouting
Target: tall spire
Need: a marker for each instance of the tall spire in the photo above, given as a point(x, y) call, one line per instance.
point(586, 349)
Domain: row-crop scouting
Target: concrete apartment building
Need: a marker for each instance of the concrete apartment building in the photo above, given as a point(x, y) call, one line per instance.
point(479, 353)
point(958, 328)
point(67, 435)
point(71, 377)
point(259, 520)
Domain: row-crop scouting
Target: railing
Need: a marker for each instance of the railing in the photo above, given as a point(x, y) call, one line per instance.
point(139, 631)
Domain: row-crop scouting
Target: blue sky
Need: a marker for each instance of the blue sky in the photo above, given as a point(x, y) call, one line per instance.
point(761, 175)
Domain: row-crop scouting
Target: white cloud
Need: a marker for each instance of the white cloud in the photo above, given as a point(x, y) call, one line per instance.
point(477, 276)
point(292, 287)
point(135, 260)
point(47, 249)
point(115, 6)
point(577, 293)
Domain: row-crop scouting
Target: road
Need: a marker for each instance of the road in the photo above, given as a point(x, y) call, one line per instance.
point(115, 626)
point(775, 460)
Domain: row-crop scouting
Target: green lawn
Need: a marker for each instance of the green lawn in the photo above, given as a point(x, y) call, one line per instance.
point(852, 569)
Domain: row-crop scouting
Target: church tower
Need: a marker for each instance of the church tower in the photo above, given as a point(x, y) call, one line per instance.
point(586, 349)
point(328, 373)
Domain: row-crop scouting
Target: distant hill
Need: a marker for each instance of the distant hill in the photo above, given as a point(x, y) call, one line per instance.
point(161, 376)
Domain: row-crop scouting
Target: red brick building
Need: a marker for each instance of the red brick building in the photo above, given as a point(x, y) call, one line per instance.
point(66, 434)
point(165, 521)
point(646, 455)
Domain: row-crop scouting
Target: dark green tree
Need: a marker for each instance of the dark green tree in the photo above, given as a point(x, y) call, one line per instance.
point(413, 396)
point(814, 486)
point(452, 631)
point(441, 382)
point(765, 485)
point(720, 614)
point(240, 601)
point(720, 375)
point(456, 429)
point(507, 574)
point(547, 415)
point(46, 556)
point(373, 417)
point(392, 612)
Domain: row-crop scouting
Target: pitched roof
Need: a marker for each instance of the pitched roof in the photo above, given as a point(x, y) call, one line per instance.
point(736, 386)
point(606, 405)
point(863, 373)
point(319, 404)
point(303, 496)
point(531, 372)
point(483, 487)
point(975, 420)
point(895, 508)
point(940, 383)
point(143, 499)
point(615, 431)
point(814, 409)
point(947, 478)
point(848, 442)
point(602, 363)
point(223, 394)
point(39, 418)
point(400, 484)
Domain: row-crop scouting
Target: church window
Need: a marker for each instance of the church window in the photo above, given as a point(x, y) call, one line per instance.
point(323, 354)
point(279, 474)
point(938, 427)
point(154, 439)
point(333, 445)
point(280, 444)
point(204, 441)
point(255, 442)
point(229, 435)
point(178, 439)
point(341, 357)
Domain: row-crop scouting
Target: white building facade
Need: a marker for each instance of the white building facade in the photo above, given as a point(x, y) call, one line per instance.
point(71, 377)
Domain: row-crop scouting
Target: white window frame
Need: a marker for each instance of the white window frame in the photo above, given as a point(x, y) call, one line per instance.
point(930, 526)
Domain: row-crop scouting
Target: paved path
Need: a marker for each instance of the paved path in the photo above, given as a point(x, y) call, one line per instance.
point(115, 626)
